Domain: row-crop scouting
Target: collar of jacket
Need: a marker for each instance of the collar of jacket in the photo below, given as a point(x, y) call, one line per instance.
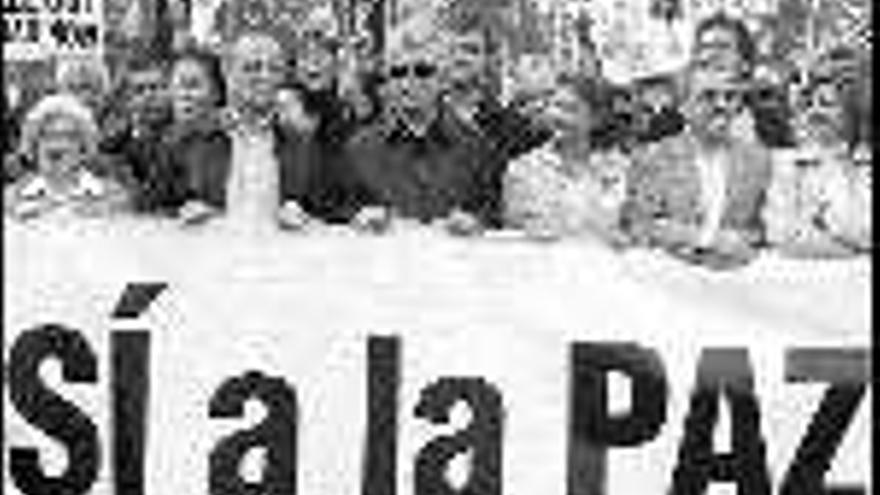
point(444, 130)
point(234, 120)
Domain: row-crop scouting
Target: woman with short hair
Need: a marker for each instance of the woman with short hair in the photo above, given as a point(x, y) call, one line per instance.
point(566, 188)
point(820, 200)
point(60, 138)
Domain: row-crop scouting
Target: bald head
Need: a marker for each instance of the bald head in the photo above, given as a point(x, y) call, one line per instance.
point(255, 69)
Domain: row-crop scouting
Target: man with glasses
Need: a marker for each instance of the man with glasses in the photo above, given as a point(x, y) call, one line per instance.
point(418, 161)
point(698, 195)
point(257, 176)
point(724, 43)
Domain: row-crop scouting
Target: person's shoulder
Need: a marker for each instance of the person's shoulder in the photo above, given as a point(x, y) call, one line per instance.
point(369, 137)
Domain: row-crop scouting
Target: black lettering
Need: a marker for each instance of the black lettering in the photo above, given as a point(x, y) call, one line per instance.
point(727, 373)
point(848, 372)
point(60, 32)
point(46, 410)
point(592, 429)
point(131, 385)
point(277, 434)
point(383, 384)
point(482, 437)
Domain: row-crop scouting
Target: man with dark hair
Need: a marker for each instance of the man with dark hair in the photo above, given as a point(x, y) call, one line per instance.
point(699, 195)
point(724, 43)
point(133, 134)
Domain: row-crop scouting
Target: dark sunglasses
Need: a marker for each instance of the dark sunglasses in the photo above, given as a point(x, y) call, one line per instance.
point(728, 96)
point(418, 70)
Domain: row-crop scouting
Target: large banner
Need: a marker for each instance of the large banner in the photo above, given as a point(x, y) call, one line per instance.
point(37, 29)
point(141, 359)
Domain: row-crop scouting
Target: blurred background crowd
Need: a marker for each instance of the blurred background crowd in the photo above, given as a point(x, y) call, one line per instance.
point(754, 132)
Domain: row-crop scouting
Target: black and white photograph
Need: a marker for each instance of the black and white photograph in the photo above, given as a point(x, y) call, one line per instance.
point(437, 247)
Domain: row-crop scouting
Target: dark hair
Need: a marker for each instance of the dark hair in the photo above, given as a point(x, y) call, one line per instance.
point(140, 58)
point(211, 63)
point(745, 45)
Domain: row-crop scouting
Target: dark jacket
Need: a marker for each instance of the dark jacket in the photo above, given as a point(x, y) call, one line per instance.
point(505, 134)
point(203, 154)
point(156, 187)
point(331, 182)
point(424, 178)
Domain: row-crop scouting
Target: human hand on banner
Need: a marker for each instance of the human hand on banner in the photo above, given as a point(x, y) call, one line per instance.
point(27, 210)
point(728, 250)
point(291, 216)
point(460, 224)
point(196, 213)
point(373, 220)
point(291, 112)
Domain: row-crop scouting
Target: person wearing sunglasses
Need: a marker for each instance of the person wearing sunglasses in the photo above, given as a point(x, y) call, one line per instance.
point(698, 195)
point(418, 162)
point(820, 200)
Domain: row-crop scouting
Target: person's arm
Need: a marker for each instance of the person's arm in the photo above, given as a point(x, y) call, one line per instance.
point(848, 217)
point(116, 200)
point(798, 225)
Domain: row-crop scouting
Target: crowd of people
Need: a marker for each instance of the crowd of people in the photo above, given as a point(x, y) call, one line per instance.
point(711, 165)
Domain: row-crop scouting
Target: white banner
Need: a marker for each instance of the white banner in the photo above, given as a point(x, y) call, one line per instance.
point(37, 29)
point(305, 308)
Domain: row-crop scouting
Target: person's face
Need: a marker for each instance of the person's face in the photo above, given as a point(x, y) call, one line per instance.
point(192, 92)
point(256, 71)
point(715, 100)
point(412, 84)
point(60, 148)
point(658, 97)
point(467, 59)
point(316, 65)
point(86, 87)
point(147, 95)
point(717, 49)
point(820, 117)
point(567, 114)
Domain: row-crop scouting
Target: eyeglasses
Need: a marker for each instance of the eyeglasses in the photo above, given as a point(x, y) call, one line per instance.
point(725, 96)
point(418, 70)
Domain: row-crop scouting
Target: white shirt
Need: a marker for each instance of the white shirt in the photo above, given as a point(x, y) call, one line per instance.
point(713, 194)
point(253, 188)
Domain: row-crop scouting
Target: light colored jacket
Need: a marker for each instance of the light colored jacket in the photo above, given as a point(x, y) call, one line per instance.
point(546, 196)
point(664, 184)
point(822, 211)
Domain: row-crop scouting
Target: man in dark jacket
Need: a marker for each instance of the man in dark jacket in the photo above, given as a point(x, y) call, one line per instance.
point(468, 96)
point(419, 161)
point(132, 138)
